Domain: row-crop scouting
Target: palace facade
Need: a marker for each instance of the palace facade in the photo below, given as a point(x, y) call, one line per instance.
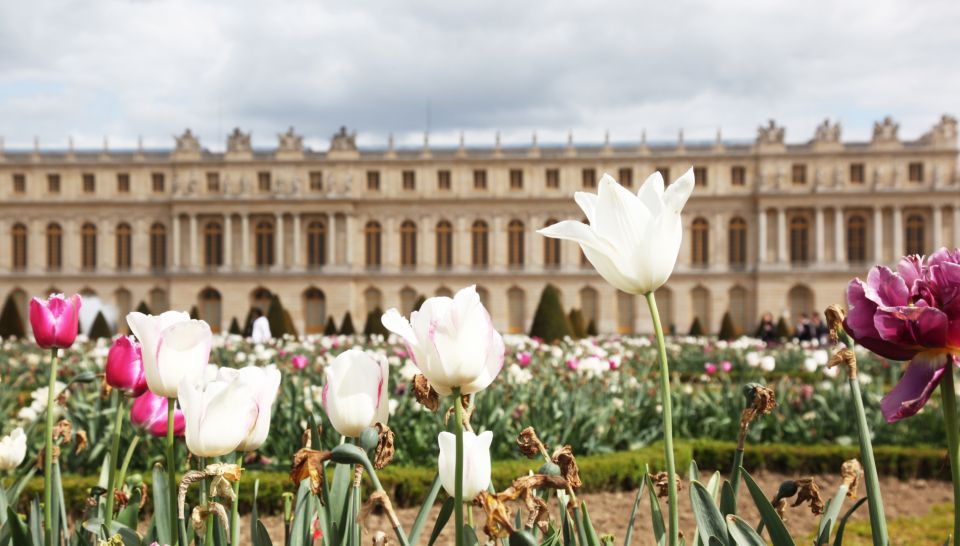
point(771, 226)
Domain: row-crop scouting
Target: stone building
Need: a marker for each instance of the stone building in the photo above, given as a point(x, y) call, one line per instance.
point(771, 226)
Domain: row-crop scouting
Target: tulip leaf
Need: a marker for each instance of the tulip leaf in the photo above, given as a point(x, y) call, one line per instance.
point(778, 531)
point(656, 516)
point(260, 535)
point(830, 515)
point(161, 506)
point(522, 538)
point(843, 521)
point(589, 530)
point(445, 512)
point(35, 523)
point(469, 536)
point(130, 515)
point(342, 475)
point(18, 530)
point(742, 533)
point(633, 514)
point(302, 518)
point(710, 522)
point(728, 501)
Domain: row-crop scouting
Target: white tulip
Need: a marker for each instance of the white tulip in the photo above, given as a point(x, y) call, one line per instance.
point(266, 384)
point(452, 341)
point(219, 414)
point(476, 462)
point(355, 395)
point(13, 448)
point(768, 363)
point(632, 240)
point(173, 346)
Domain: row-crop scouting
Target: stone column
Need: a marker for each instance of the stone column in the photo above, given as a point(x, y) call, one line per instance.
point(278, 258)
point(194, 261)
point(461, 244)
point(717, 247)
point(897, 232)
point(839, 241)
point(390, 244)
point(176, 242)
point(331, 246)
point(245, 240)
point(956, 227)
point(937, 227)
point(781, 236)
point(5, 245)
point(228, 241)
point(820, 239)
point(761, 236)
point(878, 235)
point(351, 241)
point(297, 250)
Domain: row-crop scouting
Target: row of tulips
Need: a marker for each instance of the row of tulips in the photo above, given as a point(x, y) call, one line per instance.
point(633, 241)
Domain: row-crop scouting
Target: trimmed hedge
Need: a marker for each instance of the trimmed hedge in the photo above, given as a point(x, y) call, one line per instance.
point(408, 485)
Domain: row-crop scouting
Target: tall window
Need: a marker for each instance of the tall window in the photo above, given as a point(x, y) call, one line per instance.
point(213, 244)
point(515, 233)
point(264, 235)
point(213, 182)
point(316, 180)
point(373, 180)
point(737, 251)
point(799, 240)
point(626, 177)
point(89, 183)
point(409, 180)
point(408, 243)
point(479, 179)
point(444, 244)
point(553, 178)
point(665, 173)
point(158, 247)
point(88, 246)
point(738, 175)
point(316, 243)
point(372, 234)
point(314, 310)
point(123, 183)
point(54, 247)
point(19, 183)
point(589, 178)
point(516, 179)
point(53, 183)
point(915, 172)
point(264, 181)
point(857, 175)
point(916, 234)
point(124, 247)
point(479, 243)
point(700, 239)
point(443, 180)
point(210, 308)
point(700, 176)
point(551, 249)
point(18, 246)
point(799, 173)
point(856, 239)
point(158, 182)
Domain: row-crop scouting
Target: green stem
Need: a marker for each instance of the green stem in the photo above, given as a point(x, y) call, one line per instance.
point(949, 393)
point(458, 468)
point(114, 451)
point(735, 475)
point(172, 469)
point(666, 402)
point(425, 510)
point(48, 451)
point(235, 509)
point(131, 449)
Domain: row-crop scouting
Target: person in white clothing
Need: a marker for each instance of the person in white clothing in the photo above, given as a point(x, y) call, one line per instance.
point(261, 328)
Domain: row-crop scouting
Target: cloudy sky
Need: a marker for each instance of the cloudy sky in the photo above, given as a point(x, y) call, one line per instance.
point(124, 68)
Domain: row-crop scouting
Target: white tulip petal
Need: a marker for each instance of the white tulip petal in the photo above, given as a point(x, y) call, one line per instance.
point(183, 348)
point(588, 204)
point(393, 321)
point(677, 194)
point(622, 217)
point(577, 232)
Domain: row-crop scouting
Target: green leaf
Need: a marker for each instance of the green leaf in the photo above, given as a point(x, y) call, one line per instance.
point(260, 536)
point(741, 532)
point(591, 532)
point(130, 516)
point(656, 516)
point(831, 514)
point(633, 515)
point(337, 501)
point(843, 521)
point(161, 506)
point(18, 530)
point(522, 538)
point(302, 518)
point(775, 527)
point(35, 523)
point(710, 522)
point(445, 511)
point(728, 502)
point(469, 536)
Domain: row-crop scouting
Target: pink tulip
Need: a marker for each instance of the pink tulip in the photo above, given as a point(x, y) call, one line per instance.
point(726, 366)
point(149, 413)
point(573, 364)
point(55, 321)
point(710, 368)
point(523, 359)
point(299, 362)
point(124, 369)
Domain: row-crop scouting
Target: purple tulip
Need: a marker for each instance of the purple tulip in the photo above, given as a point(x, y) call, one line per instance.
point(149, 412)
point(911, 314)
point(55, 321)
point(124, 369)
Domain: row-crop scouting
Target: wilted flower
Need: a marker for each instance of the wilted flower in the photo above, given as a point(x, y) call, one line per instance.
point(55, 321)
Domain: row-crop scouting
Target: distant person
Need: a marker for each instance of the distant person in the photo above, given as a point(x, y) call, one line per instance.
point(820, 331)
point(804, 331)
point(767, 330)
point(260, 330)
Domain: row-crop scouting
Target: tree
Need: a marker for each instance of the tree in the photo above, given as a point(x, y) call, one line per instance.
point(728, 331)
point(783, 329)
point(248, 323)
point(577, 323)
point(194, 313)
point(100, 329)
point(346, 325)
point(696, 329)
point(288, 324)
point(418, 304)
point(550, 323)
point(277, 318)
point(331, 328)
point(592, 328)
point(374, 326)
point(235, 327)
point(142, 307)
point(11, 324)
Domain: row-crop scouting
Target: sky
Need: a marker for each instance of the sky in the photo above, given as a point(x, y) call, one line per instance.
point(123, 69)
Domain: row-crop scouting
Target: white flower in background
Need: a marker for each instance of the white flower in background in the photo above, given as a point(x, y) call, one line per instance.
point(821, 356)
point(753, 359)
point(831, 372)
point(13, 449)
point(409, 370)
point(38, 405)
point(768, 363)
point(810, 364)
point(393, 405)
point(476, 462)
point(518, 376)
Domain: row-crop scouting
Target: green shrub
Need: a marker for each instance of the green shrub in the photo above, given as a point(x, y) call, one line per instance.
point(346, 326)
point(783, 329)
point(417, 304)
point(100, 329)
point(235, 327)
point(194, 313)
point(142, 307)
point(331, 328)
point(11, 324)
point(373, 325)
point(696, 329)
point(550, 323)
point(577, 323)
point(728, 331)
point(592, 327)
point(288, 325)
point(276, 315)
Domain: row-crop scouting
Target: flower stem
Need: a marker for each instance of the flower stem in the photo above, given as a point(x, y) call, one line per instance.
point(131, 449)
point(235, 509)
point(458, 469)
point(48, 451)
point(171, 469)
point(114, 452)
point(666, 402)
point(949, 393)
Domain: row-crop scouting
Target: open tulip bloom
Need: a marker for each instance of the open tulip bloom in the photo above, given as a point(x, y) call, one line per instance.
point(219, 414)
point(13, 449)
point(173, 346)
point(355, 395)
point(55, 321)
point(266, 383)
point(476, 463)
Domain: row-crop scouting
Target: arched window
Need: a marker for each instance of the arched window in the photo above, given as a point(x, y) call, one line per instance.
point(479, 237)
point(551, 249)
point(210, 308)
point(517, 306)
point(158, 247)
point(18, 246)
point(626, 312)
point(739, 310)
point(372, 233)
point(700, 300)
point(737, 236)
point(373, 299)
point(158, 301)
point(88, 246)
point(124, 247)
point(213, 244)
point(799, 240)
point(800, 299)
point(515, 233)
point(314, 310)
point(261, 298)
point(444, 244)
point(444, 292)
point(856, 239)
point(54, 247)
point(590, 305)
point(408, 300)
point(484, 298)
point(700, 243)
point(916, 234)
point(408, 243)
point(664, 297)
point(264, 235)
point(316, 243)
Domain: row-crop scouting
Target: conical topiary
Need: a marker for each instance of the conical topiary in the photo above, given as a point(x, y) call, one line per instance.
point(728, 331)
point(100, 329)
point(696, 329)
point(235, 327)
point(276, 317)
point(373, 325)
point(11, 324)
point(592, 328)
point(346, 326)
point(550, 323)
point(248, 323)
point(577, 323)
point(288, 324)
point(194, 313)
point(142, 307)
point(783, 329)
point(418, 304)
point(331, 328)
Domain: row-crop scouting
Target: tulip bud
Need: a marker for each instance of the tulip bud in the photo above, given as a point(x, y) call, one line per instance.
point(219, 414)
point(124, 368)
point(476, 462)
point(55, 321)
point(13, 448)
point(355, 396)
point(149, 412)
point(173, 346)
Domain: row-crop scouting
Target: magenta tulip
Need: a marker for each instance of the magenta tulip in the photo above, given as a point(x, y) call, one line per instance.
point(299, 362)
point(911, 314)
point(710, 368)
point(55, 321)
point(149, 413)
point(124, 369)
